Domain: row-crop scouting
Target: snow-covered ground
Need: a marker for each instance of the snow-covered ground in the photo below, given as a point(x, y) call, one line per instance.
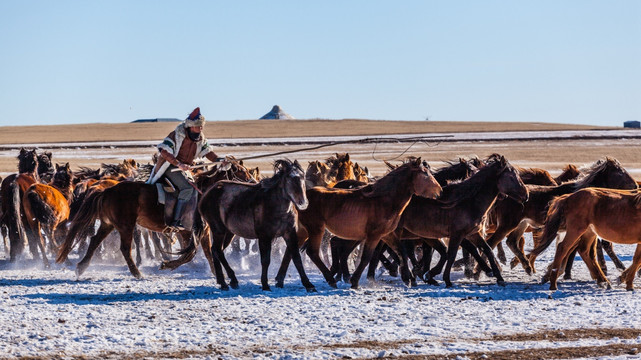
point(107, 313)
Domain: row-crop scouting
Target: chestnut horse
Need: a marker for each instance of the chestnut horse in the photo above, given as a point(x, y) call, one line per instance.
point(47, 206)
point(611, 214)
point(367, 213)
point(264, 211)
point(459, 214)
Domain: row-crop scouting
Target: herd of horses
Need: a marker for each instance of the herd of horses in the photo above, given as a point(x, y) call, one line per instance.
point(398, 219)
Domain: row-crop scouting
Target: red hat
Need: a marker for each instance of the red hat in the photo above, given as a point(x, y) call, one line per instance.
point(195, 118)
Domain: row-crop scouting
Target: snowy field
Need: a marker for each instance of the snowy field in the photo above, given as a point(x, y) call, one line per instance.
point(106, 313)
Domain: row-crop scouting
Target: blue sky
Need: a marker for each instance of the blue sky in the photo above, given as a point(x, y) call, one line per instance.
point(65, 62)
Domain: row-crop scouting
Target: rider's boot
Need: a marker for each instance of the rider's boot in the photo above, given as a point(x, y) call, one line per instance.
point(178, 213)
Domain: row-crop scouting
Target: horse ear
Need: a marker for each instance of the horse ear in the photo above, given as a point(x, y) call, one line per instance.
point(22, 150)
point(57, 167)
point(48, 154)
point(346, 157)
point(67, 166)
point(241, 163)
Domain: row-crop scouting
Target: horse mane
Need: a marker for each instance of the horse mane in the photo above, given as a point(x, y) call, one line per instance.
point(282, 168)
point(389, 182)
point(456, 192)
point(86, 173)
point(595, 170)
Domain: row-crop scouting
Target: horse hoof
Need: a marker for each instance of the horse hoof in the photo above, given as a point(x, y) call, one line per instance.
point(224, 287)
point(333, 285)
point(234, 285)
point(267, 288)
point(279, 285)
point(501, 283)
point(448, 285)
point(311, 289)
point(432, 282)
point(413, 283)
point(629, 289)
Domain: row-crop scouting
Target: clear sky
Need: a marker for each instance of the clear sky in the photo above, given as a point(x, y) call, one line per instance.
point(64, 62)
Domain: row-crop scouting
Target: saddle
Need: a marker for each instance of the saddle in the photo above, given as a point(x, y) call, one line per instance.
point(168, 196)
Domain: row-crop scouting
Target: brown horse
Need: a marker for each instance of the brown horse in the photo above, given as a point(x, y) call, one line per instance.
point(536, 176)
point(514, 218)
point(612, 214)
point(317, 174)
point(47, 206)
point(367, 213)
point(264, 211)
point(459, 214)
point(11, 191)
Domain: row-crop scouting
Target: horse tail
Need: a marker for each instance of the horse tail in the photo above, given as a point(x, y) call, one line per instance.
point(81, 223)
point(14, 222)
point(40, 210)
point(555, 219)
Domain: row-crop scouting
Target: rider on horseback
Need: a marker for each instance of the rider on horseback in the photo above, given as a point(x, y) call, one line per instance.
point(178, 151)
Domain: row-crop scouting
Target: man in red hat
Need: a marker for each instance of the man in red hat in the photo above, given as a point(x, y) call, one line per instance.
point(178, 151)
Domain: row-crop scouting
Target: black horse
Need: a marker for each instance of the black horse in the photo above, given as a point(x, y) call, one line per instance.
point(262, 211)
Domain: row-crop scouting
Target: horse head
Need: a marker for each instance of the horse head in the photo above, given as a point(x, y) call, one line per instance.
point(616, 176)
point(293, 180)
point(27, 161)
point(45, 166)
point(509, 182)
point(63, 177)
point(361, 173)
point(343, 167)
point(423, 182)
point(317, 174)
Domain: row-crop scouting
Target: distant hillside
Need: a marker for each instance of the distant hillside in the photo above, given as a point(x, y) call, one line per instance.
point(260, 128)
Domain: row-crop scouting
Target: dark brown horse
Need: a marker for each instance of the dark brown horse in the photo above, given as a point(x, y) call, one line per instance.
point(611, 214)
point(264, 211)
point(121, 207)
point(459, 214)
point(513, 218)
point(11, 191)
point(366, 213)
point(46, 207)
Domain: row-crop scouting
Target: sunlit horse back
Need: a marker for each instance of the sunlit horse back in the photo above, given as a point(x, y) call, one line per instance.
point(262, 211)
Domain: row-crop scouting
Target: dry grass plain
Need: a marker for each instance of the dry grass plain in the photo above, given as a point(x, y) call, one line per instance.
point(548, 154)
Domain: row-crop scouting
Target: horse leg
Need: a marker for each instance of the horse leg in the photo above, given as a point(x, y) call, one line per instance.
point(607, 246)
point(437, 245)
point(217, 255)
point(282, 270)
point(588, 250)
point(205, 243)
point(563, 249)
point(94, 243)
point(368, 249)
point(472, 249)
point(291, 240)
point(600, 256)
point(390, 264)
point(348, 247)
point(630, 272)
point(265, 250)
point(513, 243)
point(313, 248)
point(41, 243)
point(226, 240)
point(137, 239)
point(373, 263)
point(452, 249)
point(500, 253)
point(126, 240)
point(568, 265)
